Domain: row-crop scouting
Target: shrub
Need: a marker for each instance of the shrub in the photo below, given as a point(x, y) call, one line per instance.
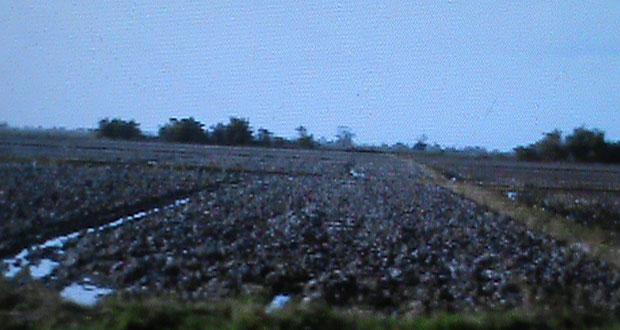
point(186, 130)
point(583, 145)
point(265, 137)
point(586, 145)
point(119, 129)
point(239, 132)
point(236, 133)
point(305, 139)
point(527, 153)
point(612, 154)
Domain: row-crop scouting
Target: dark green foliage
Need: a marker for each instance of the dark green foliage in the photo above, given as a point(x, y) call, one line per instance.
point(219, 134)
point(586, 145)
point(280, 142)
point(239, 132)
point(236, 133)
point(551, 147)
point(41, 309)
point(119, 129)
point(527, 154)
point(264, 137)
point(612, 155)
point(305, 139)
point(421, 145)
point(186, 130)
point(583, 145)
point(344, 137)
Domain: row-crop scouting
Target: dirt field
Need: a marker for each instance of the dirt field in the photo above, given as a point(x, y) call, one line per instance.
point(588, 194)
point(342, 229)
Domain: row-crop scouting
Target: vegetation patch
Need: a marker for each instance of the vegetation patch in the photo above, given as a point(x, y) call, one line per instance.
point(32, 306)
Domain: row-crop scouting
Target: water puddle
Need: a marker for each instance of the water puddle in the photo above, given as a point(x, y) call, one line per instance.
point(278, 303)
point(43, 268)
point(81, 293)
point(16, 263)
point(85, 293)
point(512, 195)
point(357, 174)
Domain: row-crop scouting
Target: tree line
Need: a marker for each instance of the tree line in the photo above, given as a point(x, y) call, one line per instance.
point(582, 145)
point(237, 132)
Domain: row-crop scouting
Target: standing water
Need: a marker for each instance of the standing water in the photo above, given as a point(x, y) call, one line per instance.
point(85, 292)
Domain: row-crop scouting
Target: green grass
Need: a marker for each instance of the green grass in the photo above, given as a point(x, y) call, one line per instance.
point(31, 306)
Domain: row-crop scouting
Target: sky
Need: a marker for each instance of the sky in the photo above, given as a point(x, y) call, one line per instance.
point(489, 73)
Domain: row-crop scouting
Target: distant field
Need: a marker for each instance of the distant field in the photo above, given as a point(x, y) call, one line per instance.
point(345, 230)
point(165, 154)
point(510, 174)
point(586, 193)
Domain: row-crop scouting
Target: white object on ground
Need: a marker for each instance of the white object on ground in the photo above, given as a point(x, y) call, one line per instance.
point(512, 195)
point(85, 294)
point(279, 302)
point(46, 266)
point(357, 174)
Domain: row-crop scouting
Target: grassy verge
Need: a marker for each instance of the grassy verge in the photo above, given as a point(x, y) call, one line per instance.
point(33, 307)
point(596, 240)
point(591, 209)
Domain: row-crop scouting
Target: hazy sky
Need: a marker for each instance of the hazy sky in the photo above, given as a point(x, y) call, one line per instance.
point(490, 73)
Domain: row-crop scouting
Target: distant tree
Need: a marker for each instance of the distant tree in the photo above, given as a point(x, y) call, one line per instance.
point(476, 151)
point(280, 142)
point(239, 132)
point(119, 129)
point(527, 153)
point(305, 140)
point(186, 130)
point(586, 145)
point(236, 132)
point(219, 134)
point(302, 131)
point(612, 155)
point(583, 145)
point(265, 137)
point(421, 145)
point(344, 137)
point(551, 146)
point(399, 147)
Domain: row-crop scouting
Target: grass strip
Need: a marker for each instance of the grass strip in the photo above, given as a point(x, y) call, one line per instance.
point(31, 306)
point(595, 240)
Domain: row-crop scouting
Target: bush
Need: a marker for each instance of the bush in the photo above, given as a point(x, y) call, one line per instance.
point(612, 155)
point(265, 137)
point(236, 133)
point(551, 146)
point(239, 132)
point(582, 145)
point(586, 145)
point(305, 139)
point(186, 130)
point(527, 154)
point(119, 129)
